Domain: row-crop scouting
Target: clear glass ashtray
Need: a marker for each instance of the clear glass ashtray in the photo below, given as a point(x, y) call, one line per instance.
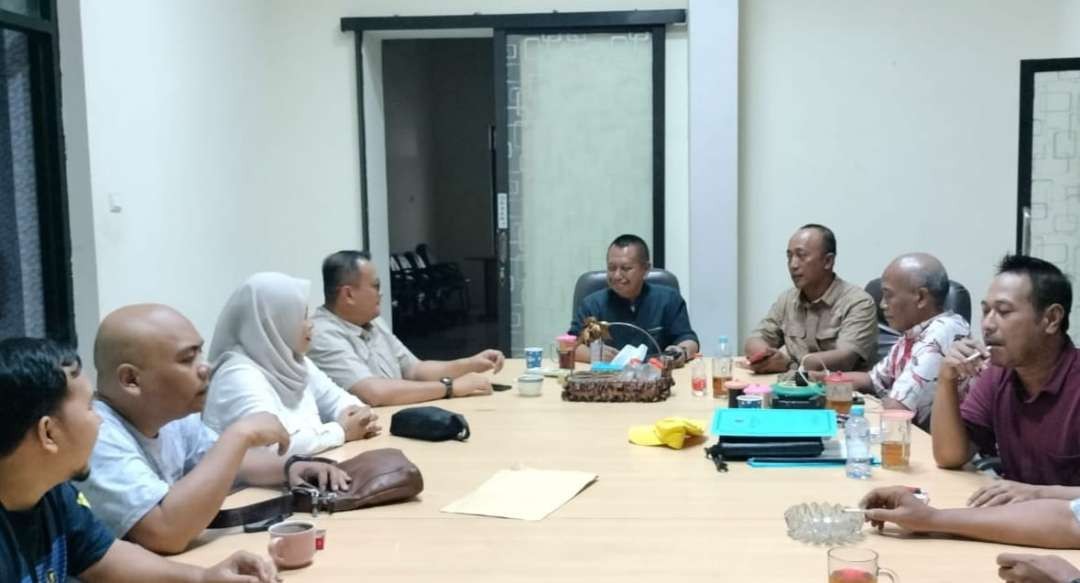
point(824, 524)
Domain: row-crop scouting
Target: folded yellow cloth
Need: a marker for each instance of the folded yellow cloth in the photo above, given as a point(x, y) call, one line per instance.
point(669, 431)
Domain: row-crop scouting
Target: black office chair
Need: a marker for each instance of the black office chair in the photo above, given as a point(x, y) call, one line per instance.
point(593, 281)
point(958, 300)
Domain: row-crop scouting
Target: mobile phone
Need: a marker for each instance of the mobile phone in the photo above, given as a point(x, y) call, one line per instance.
point(498, 387)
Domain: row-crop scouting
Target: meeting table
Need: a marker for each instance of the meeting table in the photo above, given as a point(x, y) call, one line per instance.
point(653, 514)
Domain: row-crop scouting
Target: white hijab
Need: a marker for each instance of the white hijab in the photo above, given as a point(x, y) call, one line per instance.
point(261, 324)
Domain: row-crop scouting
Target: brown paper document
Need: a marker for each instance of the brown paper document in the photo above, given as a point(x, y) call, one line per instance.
point(525, 494)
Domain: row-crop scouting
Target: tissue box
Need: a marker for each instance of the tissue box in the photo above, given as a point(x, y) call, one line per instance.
point(607, 388)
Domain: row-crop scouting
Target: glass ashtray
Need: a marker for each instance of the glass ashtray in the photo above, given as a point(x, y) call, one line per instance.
point(823, 524)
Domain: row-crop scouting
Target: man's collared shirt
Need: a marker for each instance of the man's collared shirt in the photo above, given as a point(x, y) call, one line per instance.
point(844, 317)
point(348, 353)
point(659, 309)
point(1038, 438)
point(909, 373)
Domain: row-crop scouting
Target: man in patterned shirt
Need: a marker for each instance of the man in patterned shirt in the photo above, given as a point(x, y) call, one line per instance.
point(913, 290)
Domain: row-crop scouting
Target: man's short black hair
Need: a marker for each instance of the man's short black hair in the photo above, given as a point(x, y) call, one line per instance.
point(339, 268)
point(626, 240)
point(827, 236)
point(33, 384)
point(1049, 285)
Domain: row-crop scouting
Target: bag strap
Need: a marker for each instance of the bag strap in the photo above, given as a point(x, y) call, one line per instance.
point(252, 513)
point(281, 506)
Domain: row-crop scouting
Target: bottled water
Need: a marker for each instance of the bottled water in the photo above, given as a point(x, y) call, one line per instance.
point(857, 442)
point(723, 363)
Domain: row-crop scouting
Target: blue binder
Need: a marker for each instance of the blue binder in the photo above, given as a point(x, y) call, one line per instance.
point(773, 423)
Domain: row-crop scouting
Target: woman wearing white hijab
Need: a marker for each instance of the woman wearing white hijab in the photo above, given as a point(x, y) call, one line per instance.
point(258, 364)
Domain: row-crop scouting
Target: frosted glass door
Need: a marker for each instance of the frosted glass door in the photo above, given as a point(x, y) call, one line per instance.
point(580, 151)
point(1055, 173)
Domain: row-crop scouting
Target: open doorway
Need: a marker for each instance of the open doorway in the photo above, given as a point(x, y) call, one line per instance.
point(439, 106)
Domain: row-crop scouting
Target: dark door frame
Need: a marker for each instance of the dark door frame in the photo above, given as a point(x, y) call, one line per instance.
point(652, 21)
point(1028, 69)
point(43, 42)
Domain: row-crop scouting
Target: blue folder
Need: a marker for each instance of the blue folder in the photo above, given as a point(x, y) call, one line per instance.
point(773, 423)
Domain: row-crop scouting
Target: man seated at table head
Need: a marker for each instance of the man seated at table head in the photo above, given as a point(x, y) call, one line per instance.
point(658, 309)
point(913, 291)
point(823, 315)
point(357, 350)
point(1023, 403)
point(47, 430)
point(159, 474)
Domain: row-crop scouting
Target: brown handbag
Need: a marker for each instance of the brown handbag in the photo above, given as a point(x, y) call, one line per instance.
point(380, 476)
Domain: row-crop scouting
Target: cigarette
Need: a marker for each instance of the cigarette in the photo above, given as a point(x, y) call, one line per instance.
point(974, 356)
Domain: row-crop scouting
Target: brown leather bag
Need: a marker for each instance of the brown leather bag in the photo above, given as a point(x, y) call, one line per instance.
point(380, 476)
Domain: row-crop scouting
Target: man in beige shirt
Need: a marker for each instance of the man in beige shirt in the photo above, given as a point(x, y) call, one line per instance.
point(823, 316)
point(356, 349)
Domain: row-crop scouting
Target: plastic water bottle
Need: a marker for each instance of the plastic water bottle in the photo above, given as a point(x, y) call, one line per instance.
point(857, 442)
point(723, 359)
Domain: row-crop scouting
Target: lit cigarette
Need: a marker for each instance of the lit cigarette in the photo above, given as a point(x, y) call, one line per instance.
point(974, 356)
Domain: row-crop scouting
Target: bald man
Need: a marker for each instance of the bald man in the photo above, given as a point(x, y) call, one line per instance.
point(913, 291)
point(158, 475)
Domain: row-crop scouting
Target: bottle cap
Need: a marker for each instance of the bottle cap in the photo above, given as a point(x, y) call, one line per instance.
point(857, 411)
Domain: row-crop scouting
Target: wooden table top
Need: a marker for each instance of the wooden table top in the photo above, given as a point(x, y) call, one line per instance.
point(653, 514)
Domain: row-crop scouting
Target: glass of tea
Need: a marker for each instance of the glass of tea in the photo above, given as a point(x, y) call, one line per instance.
point(564, 348)
point(896, 438)
point(839, 391)
point(856, 565)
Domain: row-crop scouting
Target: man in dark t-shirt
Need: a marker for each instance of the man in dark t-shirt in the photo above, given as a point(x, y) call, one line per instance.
point(658, 309)
point(47, 531)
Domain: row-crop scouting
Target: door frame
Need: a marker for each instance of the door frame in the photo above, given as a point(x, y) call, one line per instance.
point(50, 172)
point(652, 21)
point(1028, 69)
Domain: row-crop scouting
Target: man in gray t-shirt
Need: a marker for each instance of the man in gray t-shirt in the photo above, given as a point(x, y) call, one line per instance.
point(158, 475)
point(132, 473)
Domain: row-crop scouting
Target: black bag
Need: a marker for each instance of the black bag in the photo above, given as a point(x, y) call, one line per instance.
point(429, 424)
point(729, 448)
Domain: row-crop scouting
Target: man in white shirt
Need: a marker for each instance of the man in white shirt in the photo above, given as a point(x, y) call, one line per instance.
point(159, 475)
point(913, 291)
point(356, 349)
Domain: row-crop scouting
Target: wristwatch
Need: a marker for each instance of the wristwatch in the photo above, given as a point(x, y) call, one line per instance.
point(449, 384)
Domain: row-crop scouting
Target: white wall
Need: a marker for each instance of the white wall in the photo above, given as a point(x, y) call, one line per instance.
point(714, 166)
point(895, 123)
point(227, 133)
point(227, 151)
